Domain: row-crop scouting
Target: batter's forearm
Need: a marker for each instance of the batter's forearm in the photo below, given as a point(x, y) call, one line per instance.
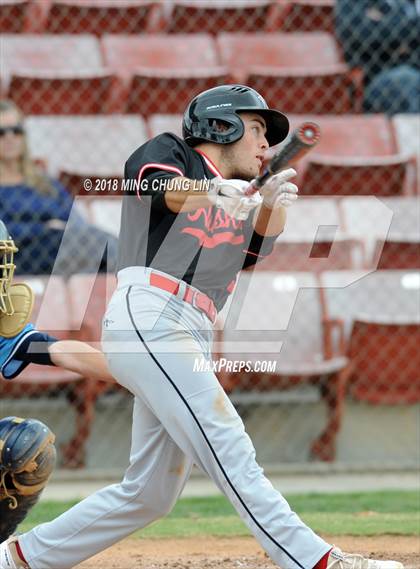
point(269, 222)
point(186, 194)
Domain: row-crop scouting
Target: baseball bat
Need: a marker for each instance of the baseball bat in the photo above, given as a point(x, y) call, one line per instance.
point(302, 140)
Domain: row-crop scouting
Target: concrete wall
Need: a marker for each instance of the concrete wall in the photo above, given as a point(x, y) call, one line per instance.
point(370, 435)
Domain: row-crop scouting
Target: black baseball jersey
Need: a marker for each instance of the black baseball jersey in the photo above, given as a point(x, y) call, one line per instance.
point(205, 247)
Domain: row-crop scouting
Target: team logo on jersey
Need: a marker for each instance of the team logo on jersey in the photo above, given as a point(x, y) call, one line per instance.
point(218, 228)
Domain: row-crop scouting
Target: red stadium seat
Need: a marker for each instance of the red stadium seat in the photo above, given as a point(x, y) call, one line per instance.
point(310, 90)
point(351, 135)
point(55, 74)
point(331, 175)
point(89, 297)
point(314, 240)
point(398, 254)
point(315, 256)
point(285, 324)
point(13, 14)
point(381, 319)
point(375, 221)
point(100, 16)
point(165, 123)
point(307, 16)
point(167, 71)
point(299, 72)
point(196, 16)
point(346, 136)
point(51, 314)
point(373, 345)
point(153, 91)
point(85, 147)
point(407, 130)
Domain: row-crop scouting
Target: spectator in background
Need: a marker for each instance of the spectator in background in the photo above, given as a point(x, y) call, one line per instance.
point(37, 209)
point(382, 37)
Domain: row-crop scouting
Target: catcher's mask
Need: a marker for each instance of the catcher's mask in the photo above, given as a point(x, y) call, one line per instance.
point(7, 268)
point(224, 104)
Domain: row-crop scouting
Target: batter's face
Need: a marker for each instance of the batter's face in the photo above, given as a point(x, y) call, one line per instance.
point(12, 141)
point(243, 159)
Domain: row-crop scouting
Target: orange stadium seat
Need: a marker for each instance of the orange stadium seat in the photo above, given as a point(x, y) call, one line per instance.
point(316, 256)
point(195, 16)
point(166, 71)
point(297, 72)
point(373, 345)
point(400, 248)
point(351, 135)
point(95, 147)
point(381, 322)
point(356, 155)
point(13, 14)
point(89, 296)
point(332, 175)
point(306, 15)
point(293, 335)
point(346, 136)
point(407, 131)
point(403, 253)
point(100, 16)
point(51, 314)
point(375, 221)
point(55, 74)
point(314, 240)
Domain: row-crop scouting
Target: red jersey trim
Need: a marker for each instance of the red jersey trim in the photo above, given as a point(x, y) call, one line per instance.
point(255, 254)
point(211, 165)
point(159, 166)
point(230, 287)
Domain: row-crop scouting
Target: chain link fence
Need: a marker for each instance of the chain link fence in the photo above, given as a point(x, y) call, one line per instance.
point(336, 306)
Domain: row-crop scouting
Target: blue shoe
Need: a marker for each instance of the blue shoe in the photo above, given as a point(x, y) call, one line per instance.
point(11, 367)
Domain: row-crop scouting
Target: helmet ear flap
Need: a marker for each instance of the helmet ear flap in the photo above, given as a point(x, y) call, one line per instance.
point(224, 130)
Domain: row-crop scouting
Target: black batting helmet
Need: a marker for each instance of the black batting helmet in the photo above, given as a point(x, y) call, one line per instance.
point(223, 103)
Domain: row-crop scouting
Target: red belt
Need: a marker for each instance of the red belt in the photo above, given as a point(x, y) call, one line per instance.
point(197, 299)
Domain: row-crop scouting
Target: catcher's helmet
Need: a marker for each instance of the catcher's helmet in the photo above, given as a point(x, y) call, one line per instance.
point(223, 103)
point(7, 268)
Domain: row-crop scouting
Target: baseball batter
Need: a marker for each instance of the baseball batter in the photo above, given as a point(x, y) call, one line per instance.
point(185, 235)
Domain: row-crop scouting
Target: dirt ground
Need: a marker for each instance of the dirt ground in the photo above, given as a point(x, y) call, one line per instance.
point(237, 553)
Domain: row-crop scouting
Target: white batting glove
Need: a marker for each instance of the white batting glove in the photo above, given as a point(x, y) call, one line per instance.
point(230, 196)
point(278, 191)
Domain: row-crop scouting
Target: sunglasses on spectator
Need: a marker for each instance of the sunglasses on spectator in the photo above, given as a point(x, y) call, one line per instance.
point(15, 129)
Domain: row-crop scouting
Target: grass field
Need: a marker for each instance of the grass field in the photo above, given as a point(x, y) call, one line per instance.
point(358, 514)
